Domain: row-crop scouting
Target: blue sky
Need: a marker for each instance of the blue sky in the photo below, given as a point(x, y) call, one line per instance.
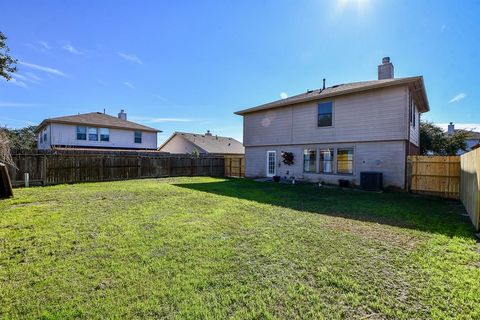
point(188, 65)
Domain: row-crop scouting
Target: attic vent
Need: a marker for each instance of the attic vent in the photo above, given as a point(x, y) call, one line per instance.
point(337, 85)
point(309, 91)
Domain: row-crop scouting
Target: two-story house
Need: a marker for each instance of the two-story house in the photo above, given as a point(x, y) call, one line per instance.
point(337, 132)
point(95, 130)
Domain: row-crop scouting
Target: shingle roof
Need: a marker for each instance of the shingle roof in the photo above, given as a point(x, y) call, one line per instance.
point(473, 135)
point(98, 119)
point(416, 84)
point(211, 143)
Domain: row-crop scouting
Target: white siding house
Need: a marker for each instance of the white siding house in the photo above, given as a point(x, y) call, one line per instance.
point(338, 132)
point(95, 130)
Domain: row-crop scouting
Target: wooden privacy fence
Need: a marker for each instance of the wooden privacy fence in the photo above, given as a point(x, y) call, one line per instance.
point(470, 185)
point(454, 177)
point(435, 175)
point(234, 166)
point(50, 168)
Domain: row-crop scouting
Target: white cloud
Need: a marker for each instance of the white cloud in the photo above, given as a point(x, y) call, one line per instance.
point(24, 78)
point(464, 126)
point(161, 120)
point(283, 95)
point(39, 46)
point(130, 57)
point(72, 49)
point(44, 45)
point(8, 104)
point(33, 76)
point(17, 83)
point(42, 68)
point(128, 84)
point(458, 97)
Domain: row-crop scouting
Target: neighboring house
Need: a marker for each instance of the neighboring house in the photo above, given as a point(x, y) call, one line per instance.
point(182, 142)
point(95, 130)
point(472, 142)
point(337, 132)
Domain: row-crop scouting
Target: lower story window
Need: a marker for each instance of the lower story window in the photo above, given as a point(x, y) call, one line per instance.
point(326, 161)
point(345, 160)
point(309, 160)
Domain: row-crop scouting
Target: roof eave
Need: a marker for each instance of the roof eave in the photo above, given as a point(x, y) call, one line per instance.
point(335, 94)
point(47, 121)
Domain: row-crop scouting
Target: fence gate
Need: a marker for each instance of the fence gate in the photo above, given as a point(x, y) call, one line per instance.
point(435, 175)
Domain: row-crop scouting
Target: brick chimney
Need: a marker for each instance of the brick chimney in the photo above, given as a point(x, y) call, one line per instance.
point(385, 70)
point(122, 115)
point(451, 129)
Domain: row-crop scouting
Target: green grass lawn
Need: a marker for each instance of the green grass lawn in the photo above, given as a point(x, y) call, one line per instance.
point(205, 248)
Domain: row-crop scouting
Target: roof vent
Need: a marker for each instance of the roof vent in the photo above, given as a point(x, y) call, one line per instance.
point(208, 134)
point(323, 84)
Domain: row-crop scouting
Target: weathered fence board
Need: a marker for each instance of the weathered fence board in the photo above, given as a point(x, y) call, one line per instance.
point(50, 168)
point(435, 175)
point(234, 166)
point(470, 185)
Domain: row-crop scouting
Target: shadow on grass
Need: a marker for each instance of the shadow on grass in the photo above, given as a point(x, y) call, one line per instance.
point(390, 208)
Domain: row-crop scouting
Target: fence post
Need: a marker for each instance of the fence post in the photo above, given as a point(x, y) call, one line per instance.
point(139, 167)
point(240, 168)
point(44, 170)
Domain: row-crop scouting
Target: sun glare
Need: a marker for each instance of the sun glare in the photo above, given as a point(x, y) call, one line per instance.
point(360, 4)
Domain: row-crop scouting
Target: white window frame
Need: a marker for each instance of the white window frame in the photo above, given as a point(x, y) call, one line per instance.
point(104, 132)
point(88, 133)
point(274, 163)
point(135, 138)
point(353, 161)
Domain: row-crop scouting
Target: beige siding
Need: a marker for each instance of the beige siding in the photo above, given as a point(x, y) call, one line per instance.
point(371, 116)
point(179, 145)
point(386, 157)
point(415, 130)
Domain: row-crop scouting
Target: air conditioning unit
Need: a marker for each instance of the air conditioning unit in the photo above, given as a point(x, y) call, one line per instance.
point(371, 181)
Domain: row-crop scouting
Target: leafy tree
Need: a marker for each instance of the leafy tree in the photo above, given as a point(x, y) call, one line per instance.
point(195, 153)
point(21, 139)
point(7, 63)
point(434, 140)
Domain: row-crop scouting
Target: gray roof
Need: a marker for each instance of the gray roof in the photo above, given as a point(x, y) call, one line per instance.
point(98, 119)
point(473, 135)
point(415, 83)
point(211, 143)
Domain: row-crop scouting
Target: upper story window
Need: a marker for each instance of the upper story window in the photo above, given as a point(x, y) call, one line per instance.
point(104, 134)
point(93, 134)
point(325, 114)
point(309, 160)
point(345, 160)
point(138, 136)
point(410, 104)
point(81, 133)
point(414, 114)
point(45, 135)
point(40, 137)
